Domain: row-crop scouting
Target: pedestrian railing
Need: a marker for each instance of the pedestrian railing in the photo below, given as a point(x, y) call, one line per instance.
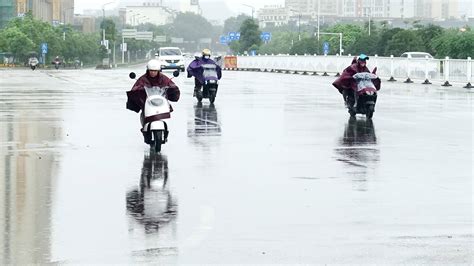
point(445, 71)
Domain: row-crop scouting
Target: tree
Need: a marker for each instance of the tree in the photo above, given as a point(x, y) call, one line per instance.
point(350, 34)
point(307, 45)
point(249, 35)
point(428, 34)
point(365, 44)
point(16, 42)
point(233, 24)
point(455, 44)
point(280, 43)
point(184, 26)
point(110, 31)
point(404, 41)
point(385, 36)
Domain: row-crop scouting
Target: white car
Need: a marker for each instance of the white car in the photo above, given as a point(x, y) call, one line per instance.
point(171, 58)
point(421, 61)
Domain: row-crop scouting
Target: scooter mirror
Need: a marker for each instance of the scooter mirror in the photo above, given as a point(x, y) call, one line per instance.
point(175, 73)
point(132, 75)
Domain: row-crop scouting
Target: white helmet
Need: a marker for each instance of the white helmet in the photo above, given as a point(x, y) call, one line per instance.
point(153, 64)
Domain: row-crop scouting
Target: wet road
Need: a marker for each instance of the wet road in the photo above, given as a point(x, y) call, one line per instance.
point(275, 172)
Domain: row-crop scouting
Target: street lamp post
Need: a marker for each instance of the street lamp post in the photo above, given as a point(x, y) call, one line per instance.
point(253, 8)
point(103, 19)
point(319, 7)
point(299, 23)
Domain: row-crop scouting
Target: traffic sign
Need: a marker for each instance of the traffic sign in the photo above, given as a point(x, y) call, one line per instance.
point(129, 33)
point(326, 48)
point(44, 48)
point(237, 36)
point(223, 39)
point(266, 36)
point(232, 36)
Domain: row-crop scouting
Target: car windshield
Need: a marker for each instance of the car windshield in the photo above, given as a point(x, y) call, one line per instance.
point(420, 56)
point(170, 52)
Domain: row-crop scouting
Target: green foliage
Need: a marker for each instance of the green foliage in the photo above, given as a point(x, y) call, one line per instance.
point(385, 36)
point(428, 34)
point(233, 24)
point(308, 45)
point(404, 41)
point(16, 42)
point(249, 35)
point(280, 44)
point(235, 47)
point(110, 31)
point(455, 44)
point(23, 36)
point(365, 44)
point(190, 26)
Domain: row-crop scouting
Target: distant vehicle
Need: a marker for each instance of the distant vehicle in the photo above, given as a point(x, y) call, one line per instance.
point(171, 58)
point(419, 61)
point(417, 55)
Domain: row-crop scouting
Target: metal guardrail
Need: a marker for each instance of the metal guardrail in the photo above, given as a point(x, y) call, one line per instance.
point(394, 68)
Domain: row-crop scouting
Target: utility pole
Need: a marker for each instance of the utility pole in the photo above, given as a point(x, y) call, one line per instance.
point(253, 8)
point(319, 8)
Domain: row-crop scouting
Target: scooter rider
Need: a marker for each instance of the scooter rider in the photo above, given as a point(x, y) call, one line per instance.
point(152, 78)
point(345, 82)
point(195, 69)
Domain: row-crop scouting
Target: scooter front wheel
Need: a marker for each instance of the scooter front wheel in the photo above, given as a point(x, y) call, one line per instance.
point(157, 140)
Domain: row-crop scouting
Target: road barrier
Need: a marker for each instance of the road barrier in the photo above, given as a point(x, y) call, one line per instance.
point(393, 68)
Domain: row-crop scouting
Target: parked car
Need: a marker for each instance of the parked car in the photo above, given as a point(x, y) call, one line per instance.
point(171, 58)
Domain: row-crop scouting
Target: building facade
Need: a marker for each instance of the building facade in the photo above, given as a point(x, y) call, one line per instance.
point(148, 13)
point(273, 16)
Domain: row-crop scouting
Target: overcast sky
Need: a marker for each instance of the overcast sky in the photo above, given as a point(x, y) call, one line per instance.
point(235, 5)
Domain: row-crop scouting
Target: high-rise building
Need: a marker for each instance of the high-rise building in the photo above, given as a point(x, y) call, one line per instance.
point(7, 11)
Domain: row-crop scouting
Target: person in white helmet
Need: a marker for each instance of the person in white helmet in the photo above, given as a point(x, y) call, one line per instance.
point(152, 77)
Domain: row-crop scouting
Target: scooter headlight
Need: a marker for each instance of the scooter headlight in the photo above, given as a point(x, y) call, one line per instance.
point(370, 93)
point(156, 102)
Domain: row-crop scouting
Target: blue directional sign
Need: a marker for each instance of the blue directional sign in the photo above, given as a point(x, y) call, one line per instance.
point(237, 36)
point(232, 36)
point(44, 48)
point(223, 39)
point(266, 36)
point(326, 48)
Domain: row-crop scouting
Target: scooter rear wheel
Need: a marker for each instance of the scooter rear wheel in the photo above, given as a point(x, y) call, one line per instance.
point(158, 140)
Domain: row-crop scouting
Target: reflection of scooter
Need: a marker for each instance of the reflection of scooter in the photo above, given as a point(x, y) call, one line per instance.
point(152, 204)
point(359, 132)
point(206, 120)
point(358, 151)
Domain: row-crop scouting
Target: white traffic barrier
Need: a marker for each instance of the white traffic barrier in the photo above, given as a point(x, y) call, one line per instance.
point(427, 70)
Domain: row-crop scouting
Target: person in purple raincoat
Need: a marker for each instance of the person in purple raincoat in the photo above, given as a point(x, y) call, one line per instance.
point(195, 69)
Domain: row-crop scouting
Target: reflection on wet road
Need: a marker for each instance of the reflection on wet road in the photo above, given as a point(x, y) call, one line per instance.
point(270, 173)
point(359, 152)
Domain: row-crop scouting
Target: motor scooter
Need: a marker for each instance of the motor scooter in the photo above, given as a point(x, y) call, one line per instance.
point(364, 94)
point(209, 84)
point(56, 64)
point(155, 113)
point(33, 64)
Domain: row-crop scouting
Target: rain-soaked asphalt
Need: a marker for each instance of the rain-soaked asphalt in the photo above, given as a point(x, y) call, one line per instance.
point(275, 172)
